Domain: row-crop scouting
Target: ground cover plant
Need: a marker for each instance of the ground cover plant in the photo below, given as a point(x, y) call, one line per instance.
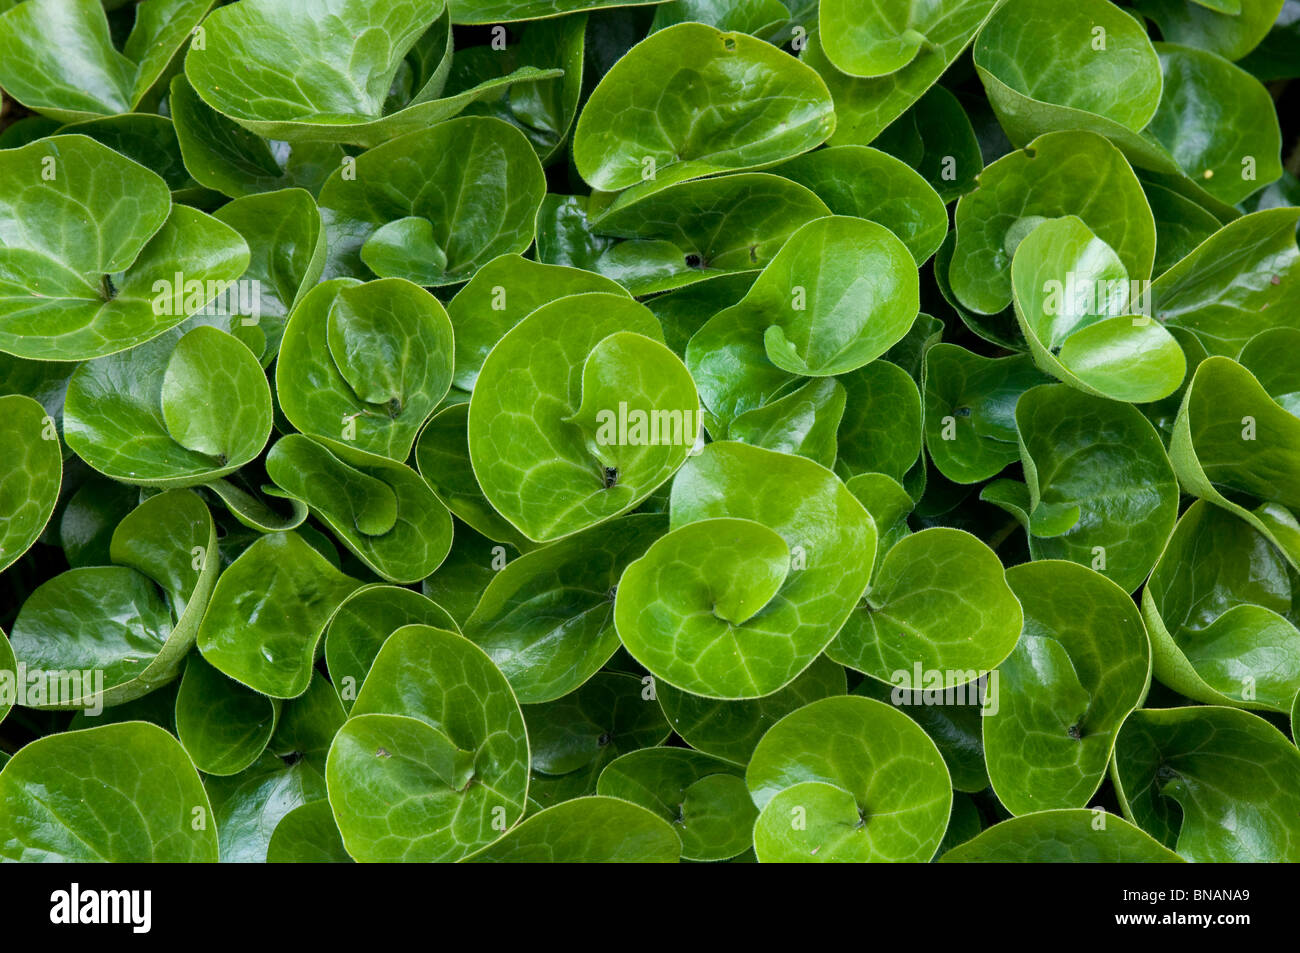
point(703, 431)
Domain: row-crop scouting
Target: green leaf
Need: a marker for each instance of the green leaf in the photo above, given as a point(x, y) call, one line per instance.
point(223, 726)
point(57, 57)
point(1235, 447)
point(30, 476)
point(270, 66)
point(875, 37)
point(1102, 492)
point(109, 284)
point(1049, 68)
point(473, 183)
point(730, 729)
point(867, 183)
point(881, 428)
point(1069, 836)
point(124, 629)
point(1230, 154)
point(1216, 606)
point(502, 293)
point(506, 11)
point(767, 556)
point(1060, 173)
point(838, 294)
point(267, 614)
point(736, 103)
point(1179, 776)
point(936, 138)
point(970, 407)
point(124, 793)
point(547, 619)
point(1222, 289)
point(865, 106)
point(1080, 314)
point(579, 414)
point(365, 364)
point(361, 625)
point(286, 240)
point(939, 608)
point(186, 408)
point(683, 233)
point(899, 793)
point(544, 110)
point(703, 797)
point(248, 807)
point(307, 835)
point(379, 509)
point(442, 456)
point(1081, 665)
point(147, 139)
point(589, 830)
point(573, 738)
point(223, 155)
point(1231, 35)
point(433, 762)
point(803, 422)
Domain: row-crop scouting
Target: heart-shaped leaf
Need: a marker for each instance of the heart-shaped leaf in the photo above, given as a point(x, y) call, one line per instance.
point(186, 408)
point(767, 556)
point(1080, 667)
point(939, 606)
point(579, 414)
point(437, 730)
point(365, 364)
point(865, 106)
point(1101, 491)
point(1060, 173)
point(379, 509)
point(899, 793)
point(136, 267)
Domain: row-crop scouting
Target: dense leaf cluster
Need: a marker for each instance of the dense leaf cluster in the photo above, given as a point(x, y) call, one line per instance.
point(593, 430)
